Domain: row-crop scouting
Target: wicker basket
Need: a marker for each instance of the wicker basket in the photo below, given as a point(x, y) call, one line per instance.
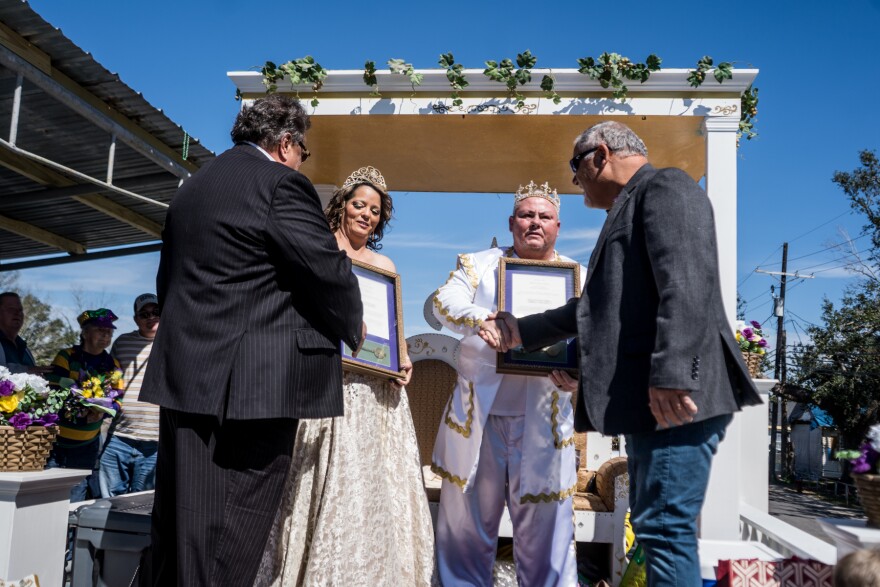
point(25, 450)
point(753, 362)
point(869, 495)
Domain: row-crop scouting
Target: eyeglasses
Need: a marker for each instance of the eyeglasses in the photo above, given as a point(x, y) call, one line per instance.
point(576, 160)
point(148, 314)
point(305, 152)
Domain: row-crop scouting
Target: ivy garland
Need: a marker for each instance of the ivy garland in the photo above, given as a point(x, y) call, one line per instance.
point(611, 70)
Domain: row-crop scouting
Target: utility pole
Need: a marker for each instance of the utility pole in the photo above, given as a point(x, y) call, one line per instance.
point(780, 372)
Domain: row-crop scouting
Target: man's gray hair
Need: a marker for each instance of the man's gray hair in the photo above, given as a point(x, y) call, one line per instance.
point(267, 120)
point(619, 137)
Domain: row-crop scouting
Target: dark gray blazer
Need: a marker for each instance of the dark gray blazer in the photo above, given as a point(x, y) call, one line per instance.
point(651, 312)
point(255, 296)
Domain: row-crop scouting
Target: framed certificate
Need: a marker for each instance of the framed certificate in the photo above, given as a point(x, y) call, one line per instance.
point(380, 354)
point(528, 287)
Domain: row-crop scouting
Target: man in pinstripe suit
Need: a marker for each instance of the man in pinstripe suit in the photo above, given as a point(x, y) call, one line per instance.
point(255, 298)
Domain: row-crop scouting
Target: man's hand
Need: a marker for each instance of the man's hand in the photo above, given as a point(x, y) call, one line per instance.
point(363, 338)
point(501, 331)
point(406, 368)
point(671, 407)
point(563, 381)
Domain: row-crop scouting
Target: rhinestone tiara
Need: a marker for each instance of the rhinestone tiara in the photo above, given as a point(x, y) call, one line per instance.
point(533, 190)
point(368, 174)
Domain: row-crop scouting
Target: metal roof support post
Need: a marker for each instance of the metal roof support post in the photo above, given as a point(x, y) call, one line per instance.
point(16, 109)
point(111, 158)
point(71, 100)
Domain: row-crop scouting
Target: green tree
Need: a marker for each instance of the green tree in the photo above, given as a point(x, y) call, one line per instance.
point(44, 333)
point(862, 187)
point(840, 366)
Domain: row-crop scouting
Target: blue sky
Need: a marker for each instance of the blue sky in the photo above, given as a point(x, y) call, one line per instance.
point(818, 85)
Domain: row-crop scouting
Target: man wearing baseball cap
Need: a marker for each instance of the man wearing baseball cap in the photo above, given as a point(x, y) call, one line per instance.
point(128, 463)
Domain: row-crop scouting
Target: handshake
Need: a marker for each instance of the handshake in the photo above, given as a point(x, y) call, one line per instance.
point(501, 331)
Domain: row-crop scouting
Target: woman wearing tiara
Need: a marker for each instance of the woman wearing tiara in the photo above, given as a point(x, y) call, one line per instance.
point(354, 509)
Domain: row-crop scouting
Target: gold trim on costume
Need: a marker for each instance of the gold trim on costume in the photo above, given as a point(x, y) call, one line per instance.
point(554, 411)
point(548, 497)
point(438, 470)
point(462, 321)
point(466, 262)
point(466, 429)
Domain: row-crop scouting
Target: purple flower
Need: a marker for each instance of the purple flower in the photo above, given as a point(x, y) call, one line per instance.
point(20, 421)
point(867, 461)
point(6, 387)
point(747, 333)
point(756, 324)
point(762, 343)
point(47, 420)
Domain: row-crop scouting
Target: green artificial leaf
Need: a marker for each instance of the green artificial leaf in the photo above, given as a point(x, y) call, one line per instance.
point(370, 74)
point(526, 59)
point(547, 83)
point(653, 62)
point(416, 78)
point(314, 102)
point(723, 71)
point(446, 60)
point(397, 66)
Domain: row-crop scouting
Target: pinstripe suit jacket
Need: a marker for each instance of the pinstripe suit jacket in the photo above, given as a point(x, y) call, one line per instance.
point(651, 312)
point(255, 296)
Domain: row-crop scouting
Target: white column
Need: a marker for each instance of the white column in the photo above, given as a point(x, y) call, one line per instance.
point(720, 516)
point(753, 450)
point(33, 523)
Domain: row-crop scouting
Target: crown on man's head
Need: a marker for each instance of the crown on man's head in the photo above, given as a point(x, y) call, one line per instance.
point(368, 174)
point(533, 190)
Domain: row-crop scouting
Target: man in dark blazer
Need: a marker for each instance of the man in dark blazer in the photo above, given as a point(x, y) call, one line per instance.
point(658, 358)
point(255, 297)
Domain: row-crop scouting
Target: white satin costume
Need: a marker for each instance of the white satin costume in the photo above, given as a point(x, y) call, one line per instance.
point(502, 439)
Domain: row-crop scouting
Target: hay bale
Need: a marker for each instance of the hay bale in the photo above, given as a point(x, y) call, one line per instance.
point(605, 477)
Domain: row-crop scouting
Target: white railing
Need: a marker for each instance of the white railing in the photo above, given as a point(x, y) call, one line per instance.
point(782, 537)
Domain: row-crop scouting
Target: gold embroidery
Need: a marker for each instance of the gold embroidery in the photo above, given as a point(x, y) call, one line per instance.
point(438, 470)
point(466, 429)
point(462, 321)
point(548, 497)
point(466, 262)
point(554, 411)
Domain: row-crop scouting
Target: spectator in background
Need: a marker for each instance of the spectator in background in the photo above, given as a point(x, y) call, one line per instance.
point(858, 569)
point(14, 353)
point(128, 463)
point(79, 429)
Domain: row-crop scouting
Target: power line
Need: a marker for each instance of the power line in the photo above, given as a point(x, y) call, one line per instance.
point(812, 230)
point(746, 278)
point(835, 246)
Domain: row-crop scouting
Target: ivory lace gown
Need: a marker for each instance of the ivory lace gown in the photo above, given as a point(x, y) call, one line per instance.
point(354, 510)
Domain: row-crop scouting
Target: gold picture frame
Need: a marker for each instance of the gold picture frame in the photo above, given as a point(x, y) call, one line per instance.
point(562, 356)
point(384, 346)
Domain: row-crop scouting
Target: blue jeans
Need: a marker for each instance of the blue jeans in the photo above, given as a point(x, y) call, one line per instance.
point(668, 475)
point(76, 457)
point(127, 465)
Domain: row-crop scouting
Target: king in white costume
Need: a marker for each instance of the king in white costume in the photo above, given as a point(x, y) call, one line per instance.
point(504, 439)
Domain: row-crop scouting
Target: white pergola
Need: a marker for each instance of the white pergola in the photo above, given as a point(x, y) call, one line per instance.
point(424, 143)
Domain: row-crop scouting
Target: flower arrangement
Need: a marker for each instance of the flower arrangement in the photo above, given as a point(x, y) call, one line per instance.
point(751, 340)
point(867, 459)
point(92, 392)
point(27, 400)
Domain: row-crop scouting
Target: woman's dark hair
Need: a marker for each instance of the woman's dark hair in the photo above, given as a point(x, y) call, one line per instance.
point(267, 120)
point(340, 198)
